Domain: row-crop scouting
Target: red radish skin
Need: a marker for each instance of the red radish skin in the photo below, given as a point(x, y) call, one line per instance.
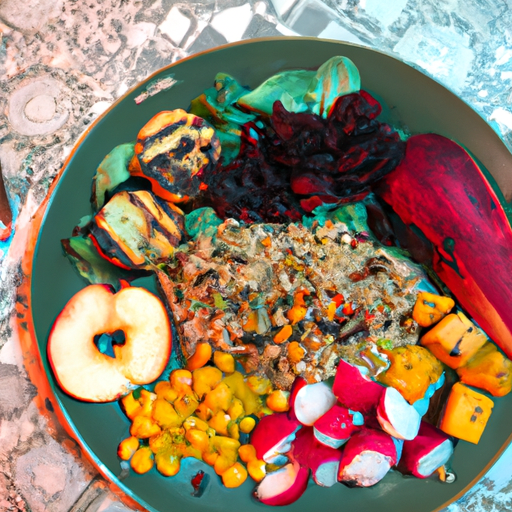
point(297, 385)
point(322, 460)
point(355, 391)
point(272, 436)
point(439, 189)
point(284, 486)
point(429, 450)
point(396, 416)
point(312, 401)
point(367, 457)
point(335, 427)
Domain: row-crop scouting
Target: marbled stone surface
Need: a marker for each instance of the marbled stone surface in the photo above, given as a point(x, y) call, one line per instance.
point(63, 62)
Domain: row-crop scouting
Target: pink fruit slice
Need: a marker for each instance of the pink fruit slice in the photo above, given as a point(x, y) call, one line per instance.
point(439, 189)
point(87, 374)
point(284, 486)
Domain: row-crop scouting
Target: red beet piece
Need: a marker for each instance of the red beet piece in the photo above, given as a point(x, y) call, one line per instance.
point(440, 189)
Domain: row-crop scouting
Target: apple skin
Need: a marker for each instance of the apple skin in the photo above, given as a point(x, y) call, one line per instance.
point(82, 370)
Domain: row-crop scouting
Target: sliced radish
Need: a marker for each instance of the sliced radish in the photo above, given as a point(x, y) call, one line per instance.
point(312, 401)
point(429, 450)
point(354, 390)
point(367, 457)
point(396, 416)
point(283, 486)
point(297, 385)
point(272, 437)
point(335, 427)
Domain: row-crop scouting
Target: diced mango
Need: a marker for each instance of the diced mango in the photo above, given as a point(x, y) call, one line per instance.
point(144, 427)
point(205, 379)
point(239, 388)
point(236, 409)
point(219, 398)
point(219, 422)
point(197, 423)
point(168, 462)
point(488, 369)
point(186, 405)
point(454, 340)
point(131, 406)
point(257, 469)
point(181, 381)
point(413, 368)
point(164, 390)
point(127, 447)
point(224, 361)
point(234, 430)
point(235, 476)
point(247, 452)
point(466, 413)
point(430, 308)
point(142, 460)
point(165, 414)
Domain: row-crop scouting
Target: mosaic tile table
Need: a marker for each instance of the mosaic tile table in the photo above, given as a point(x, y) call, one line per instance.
point(63, 62)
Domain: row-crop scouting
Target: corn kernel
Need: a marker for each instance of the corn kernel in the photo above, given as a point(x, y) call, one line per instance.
point(224, 362)
point(127, 447)
point(247, 424)
point(142, 460)
point(235, 476)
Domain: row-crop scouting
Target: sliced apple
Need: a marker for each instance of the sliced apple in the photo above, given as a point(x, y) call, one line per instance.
point(87, 374)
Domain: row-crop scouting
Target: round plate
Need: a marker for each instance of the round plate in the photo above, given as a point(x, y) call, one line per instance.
point(417, 101)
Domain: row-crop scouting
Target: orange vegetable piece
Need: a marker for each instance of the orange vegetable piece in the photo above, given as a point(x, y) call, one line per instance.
point(466, 413)
point(295, 352)
point(430, 308)
point(186, 405)
point(299, 309)
point(454, 340)
point(283, 334)
point(279, 401)
point(413, 368)
point(201, 356)
point(488, 369)
point(127, 447)
point(235, 476)
point(224, 361)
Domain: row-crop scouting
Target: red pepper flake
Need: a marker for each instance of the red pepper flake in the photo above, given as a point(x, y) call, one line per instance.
point(368, 316)
point(199, 483)
point(348, 309)
point(203, 186)
point(289, 251)
point(338, 300)
point(354, 243)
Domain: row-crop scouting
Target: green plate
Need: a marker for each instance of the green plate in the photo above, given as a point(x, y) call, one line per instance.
point(407, 95)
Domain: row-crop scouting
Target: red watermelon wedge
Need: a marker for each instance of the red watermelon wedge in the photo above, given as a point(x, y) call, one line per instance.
point(440, 189)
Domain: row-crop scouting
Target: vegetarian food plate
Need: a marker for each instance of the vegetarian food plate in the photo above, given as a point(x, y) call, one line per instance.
point(321, 353)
